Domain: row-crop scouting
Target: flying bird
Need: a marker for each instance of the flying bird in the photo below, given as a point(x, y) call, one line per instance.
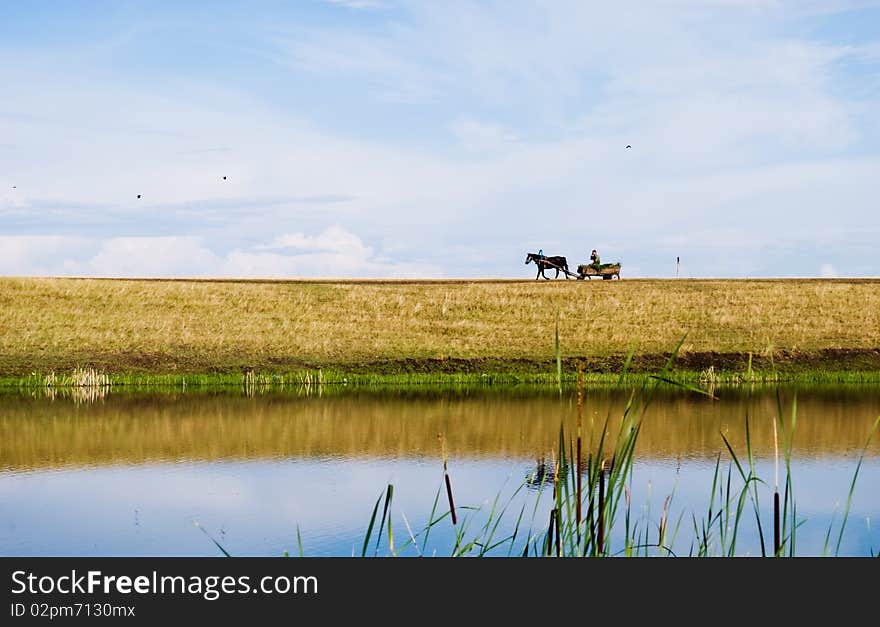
point(628, 146)
point(139, 195)
point(224, 178)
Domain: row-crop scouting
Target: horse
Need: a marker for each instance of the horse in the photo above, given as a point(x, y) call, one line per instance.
point(556, 263)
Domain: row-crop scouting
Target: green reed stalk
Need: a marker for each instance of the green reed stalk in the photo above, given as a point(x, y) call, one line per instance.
point(370, 526)
point(431, 521)
point(389, 495)
point(558, 540)
point(754, 493)
point(217, 544)
point(661, 539)
point(852, 486)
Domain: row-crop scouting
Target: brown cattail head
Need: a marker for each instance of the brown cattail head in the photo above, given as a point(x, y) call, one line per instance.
point(449, 497)
point(558, 536)
point(777, 545)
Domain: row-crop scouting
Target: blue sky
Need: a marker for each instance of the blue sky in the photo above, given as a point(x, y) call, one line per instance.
point(396, 138)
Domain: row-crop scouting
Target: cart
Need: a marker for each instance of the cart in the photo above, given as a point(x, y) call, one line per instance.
point(607, 271)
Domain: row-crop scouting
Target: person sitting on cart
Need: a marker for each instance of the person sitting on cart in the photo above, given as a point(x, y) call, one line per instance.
point(594, 258)
point(541, 253)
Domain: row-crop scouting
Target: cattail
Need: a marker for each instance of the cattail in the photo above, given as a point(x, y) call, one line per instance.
point(558, 538)
point(776, 534)
point(446, 478)
point(580, 423)
point(600, 542)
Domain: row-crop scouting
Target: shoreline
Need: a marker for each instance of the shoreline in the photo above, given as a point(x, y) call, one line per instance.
point(313, 378)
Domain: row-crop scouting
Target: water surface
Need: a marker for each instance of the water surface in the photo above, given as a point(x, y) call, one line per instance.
point(129, 473)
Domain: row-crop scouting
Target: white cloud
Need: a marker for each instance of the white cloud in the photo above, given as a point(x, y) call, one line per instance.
point(152, 257)
point(827, 271)
point(22, 255)
point(333, 253)
point(334, 239)
point(358, 4)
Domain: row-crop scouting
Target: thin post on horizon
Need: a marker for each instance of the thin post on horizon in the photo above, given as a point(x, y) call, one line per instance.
point(677, 263)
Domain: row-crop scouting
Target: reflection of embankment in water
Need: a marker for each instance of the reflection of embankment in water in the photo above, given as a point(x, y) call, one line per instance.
point(135, 428)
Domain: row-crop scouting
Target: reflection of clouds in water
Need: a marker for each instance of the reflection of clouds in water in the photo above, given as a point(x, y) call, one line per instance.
point(259, 504)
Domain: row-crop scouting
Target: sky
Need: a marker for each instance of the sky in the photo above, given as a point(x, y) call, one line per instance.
point(399, 138)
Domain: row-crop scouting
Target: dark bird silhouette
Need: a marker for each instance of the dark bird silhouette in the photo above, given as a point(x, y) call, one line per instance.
point(628, 146)
point(224, 178)
point(139, 195)
point(13, 187)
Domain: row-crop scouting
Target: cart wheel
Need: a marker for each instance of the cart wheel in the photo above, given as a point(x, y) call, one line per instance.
point(580, 277)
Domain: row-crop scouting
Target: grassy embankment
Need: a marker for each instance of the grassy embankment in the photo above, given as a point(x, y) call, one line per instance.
point(139, 331)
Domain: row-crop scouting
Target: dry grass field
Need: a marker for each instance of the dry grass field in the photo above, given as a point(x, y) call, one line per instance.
point(160, 326)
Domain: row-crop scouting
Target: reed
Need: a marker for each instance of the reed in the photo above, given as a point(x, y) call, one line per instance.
point(579, 453)
point(446, 479)
point(609, 528)
point(777, 544)
point(199, 526)
point(608, 492)
point(852, 486)
point(600, 541)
